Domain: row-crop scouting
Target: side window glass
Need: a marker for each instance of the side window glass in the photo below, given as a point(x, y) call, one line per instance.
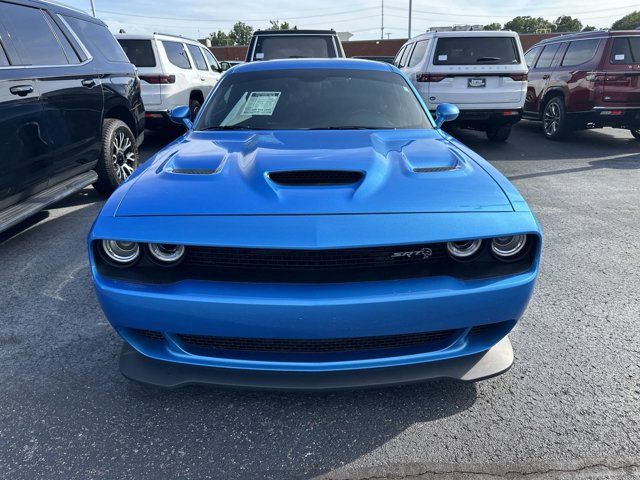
point(531, 55)
point(97, 38)
point(546, 57)
point(213, 62)
point(396, 61)
point(197, 56)
point(177, 54)
point(418, 53)
point(69, 51)
point(31, 35)
point(405, 56)
point(4, 61)
point(580, 52)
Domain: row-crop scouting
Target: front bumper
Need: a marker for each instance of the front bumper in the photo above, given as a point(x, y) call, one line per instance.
point(480, 366)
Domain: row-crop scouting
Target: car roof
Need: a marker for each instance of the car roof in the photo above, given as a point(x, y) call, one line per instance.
point(62, 9)
point(294, 32)
point(306, 63)
point(155, 36)
point(586, 35)
point(465, 33)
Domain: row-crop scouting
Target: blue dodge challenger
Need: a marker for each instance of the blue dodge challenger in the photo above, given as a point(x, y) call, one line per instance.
point(314, 229)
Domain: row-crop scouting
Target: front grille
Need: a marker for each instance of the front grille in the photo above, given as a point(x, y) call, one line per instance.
point(149, 334)
point(310, 346)
point(307, 260)
point(315, 177)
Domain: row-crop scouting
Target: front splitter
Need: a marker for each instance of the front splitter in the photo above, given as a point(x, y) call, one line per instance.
point(470, 368)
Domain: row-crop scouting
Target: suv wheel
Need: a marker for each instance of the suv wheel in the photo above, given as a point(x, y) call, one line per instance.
point(635, 133)
point(118, 158)
point(554, 119)
point(194, 107)
point(498, 133)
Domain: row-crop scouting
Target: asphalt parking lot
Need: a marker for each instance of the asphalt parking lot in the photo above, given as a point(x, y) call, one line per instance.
point(569, 407)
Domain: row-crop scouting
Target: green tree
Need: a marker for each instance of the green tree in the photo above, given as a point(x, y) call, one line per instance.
point(628, 22)
point(493, 26)
point(241, 33)
point(565, 23)
point(527, 24)
point(276, 25)
point(220, 39)
point(588, 28)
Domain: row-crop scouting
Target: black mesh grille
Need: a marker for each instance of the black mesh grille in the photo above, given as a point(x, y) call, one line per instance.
point(150, 334)
point(315, 177)
point(306, 260)
point(334, 345)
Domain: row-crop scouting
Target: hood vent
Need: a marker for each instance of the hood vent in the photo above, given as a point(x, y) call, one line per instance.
point(315, 177)
point(435, 169)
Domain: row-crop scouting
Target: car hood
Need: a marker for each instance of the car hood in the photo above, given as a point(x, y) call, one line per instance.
point(232, 173)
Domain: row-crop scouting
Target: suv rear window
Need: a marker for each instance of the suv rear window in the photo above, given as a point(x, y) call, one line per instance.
point(294, 46)
point(476, 51)
point(625, 51)
point(140, 52)
point(32, 36)
point(177, 54)
point(97, 38)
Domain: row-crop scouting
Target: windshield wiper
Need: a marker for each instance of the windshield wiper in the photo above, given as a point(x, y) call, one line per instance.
point(488, 59)
point(233, 127)
point(348, 127)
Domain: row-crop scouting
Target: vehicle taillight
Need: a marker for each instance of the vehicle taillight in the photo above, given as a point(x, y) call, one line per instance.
point(595, 77)
point(158, 79)
point(519, 77)
point(429, 77)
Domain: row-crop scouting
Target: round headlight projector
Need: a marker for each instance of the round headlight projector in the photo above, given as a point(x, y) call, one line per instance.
point(464, 249)
point(165, 253)
point(121, 252)
point(508, 247)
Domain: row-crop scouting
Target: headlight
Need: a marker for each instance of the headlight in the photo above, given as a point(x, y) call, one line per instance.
point(121, 252)
point(464, 249)
point(165, 253)
point(508, 248)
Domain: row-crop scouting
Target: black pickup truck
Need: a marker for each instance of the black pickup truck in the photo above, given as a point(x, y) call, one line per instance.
point(71, 113)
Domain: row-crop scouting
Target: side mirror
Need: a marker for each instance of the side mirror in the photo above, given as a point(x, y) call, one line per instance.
point(224, 66)
point(182, 116)
point(446, 112)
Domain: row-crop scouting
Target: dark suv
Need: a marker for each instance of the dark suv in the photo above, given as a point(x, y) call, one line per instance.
point(585, 80)
point(273, 44)
point(71, 113)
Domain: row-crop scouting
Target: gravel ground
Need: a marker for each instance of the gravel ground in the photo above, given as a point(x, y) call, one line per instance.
point(569, 408)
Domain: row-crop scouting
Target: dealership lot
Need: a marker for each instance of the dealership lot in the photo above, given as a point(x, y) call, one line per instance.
point(569, 406)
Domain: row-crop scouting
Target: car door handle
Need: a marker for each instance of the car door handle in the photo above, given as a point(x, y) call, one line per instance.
point(546, 77)
point(21, 90)
point(89, 83)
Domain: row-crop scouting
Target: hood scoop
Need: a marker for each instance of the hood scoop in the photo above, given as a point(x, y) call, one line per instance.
point(315, 178)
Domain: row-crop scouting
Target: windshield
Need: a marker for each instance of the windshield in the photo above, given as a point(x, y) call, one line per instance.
point(313, 99)
point(293, 46)
point(476, 51)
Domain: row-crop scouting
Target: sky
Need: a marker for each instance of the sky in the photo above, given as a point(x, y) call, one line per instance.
point(198, 18)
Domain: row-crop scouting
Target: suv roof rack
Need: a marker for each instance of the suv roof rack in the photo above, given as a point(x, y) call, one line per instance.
point(285, 32)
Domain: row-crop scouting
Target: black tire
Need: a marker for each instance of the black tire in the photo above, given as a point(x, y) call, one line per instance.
point(118, 157)
point(194, 107)
point(635, 133)
point(554, 119)
point(498, 133)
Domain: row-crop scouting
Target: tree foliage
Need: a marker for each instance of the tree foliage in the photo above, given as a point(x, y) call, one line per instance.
point(220, 39)
point(527, 24)
point(565, 23)
point(628, 22)
point(241, 33)
point(493, 26)
point(277, 25)
point(588, 28)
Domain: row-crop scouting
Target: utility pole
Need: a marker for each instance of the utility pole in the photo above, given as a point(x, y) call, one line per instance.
point(409, 32)
point(382, 23)
point(93, 7)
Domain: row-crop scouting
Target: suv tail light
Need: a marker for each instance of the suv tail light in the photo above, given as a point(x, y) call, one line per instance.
point(519, 77)
point(429, 77)
point(158, 79)
point(595, 77)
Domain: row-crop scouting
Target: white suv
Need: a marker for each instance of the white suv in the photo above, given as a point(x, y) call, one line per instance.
point(173, 71)
point(484, 73)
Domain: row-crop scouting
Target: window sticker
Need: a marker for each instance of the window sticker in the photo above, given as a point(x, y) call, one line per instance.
point(619, 57)
point(261, 103)
point(442, 58)
point(259, 56)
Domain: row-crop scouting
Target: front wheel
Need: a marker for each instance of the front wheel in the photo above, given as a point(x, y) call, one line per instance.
point(118, 157)
point(554, 119)
point(194, 107)
point(636, 133)
point(498, 133)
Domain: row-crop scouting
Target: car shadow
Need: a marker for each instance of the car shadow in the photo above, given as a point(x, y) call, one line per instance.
point(620, 163)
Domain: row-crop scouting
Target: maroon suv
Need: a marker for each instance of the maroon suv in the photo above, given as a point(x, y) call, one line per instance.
point(585, 80)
